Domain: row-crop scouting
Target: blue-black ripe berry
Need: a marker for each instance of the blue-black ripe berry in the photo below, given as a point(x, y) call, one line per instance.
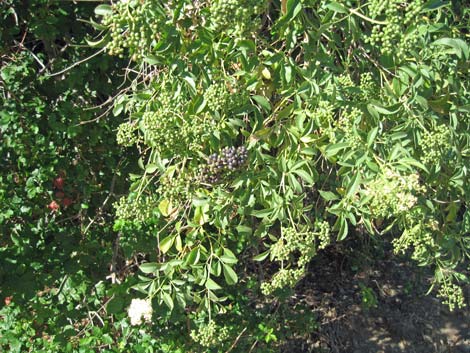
point(222, 164)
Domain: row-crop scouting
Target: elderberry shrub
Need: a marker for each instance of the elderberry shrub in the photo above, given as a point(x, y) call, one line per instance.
point(221, 165)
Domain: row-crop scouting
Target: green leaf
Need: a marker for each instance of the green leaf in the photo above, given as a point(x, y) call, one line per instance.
point(164, 207)
point(118, 108)
point(200, 217)
point(371, 136)
point(294, 183)
point(293, 9)
point(244, 230)
point(383, 110)
point(210, 284)
point(466, 222)
point(149, 267)
point(168, 300)
point(332, 150)
point(166, 243)
point(152, 60)
point(353, 185)
point(230, 275)
point(407, 162)
point(94, 24)
point(308, 151)
point(98, 43)
point(228, 257)
point(373, 112)
point(343, 228)
point(262, 256)
point(115, 305)
point(287, 73)
point(216, 268)
point(247, 45)
point(458, 45)
point(190, 82)
point(263, 102)
point(266, 74)
point(328, 195)
point(432, 5)
point(262, 213)
point(193, 257)
point(179, 243)
point(305, 176)
point(103, 10)
point(151, 168)
point(337, 7)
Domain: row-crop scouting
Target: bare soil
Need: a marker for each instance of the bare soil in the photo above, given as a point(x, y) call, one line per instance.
point(404, 319)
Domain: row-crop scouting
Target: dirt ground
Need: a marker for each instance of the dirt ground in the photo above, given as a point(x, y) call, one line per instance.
point(404, 319)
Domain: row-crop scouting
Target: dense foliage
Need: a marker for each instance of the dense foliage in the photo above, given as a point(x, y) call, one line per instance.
point(57, 164)
point(251, 134)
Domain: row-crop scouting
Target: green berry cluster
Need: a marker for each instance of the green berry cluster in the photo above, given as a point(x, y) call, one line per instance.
point(378, 7)
point(224, 100)
point(210, 335)
point(217, 97)
point(422, 234)
point(172, 133)
point(347, 123)
point(292, 242)
point(452, 295)
point(282, 249)
point(236, 17)
point(417, 237)
point(324, 119)
point(345, 81)
point(323, 231)
point(392, 194)
point(139, 211)
point(162, 130)
point(175, 189)
point(435, 144)
point(221, 165)
point(394, 36)
point(369, 89)
point(346, 88)
point(168, 127)
point(134, 25)
point(284, 278)
point(126, 134)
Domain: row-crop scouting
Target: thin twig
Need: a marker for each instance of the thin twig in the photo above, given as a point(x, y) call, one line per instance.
point(111, 193)
point(32, 54)
point(109, 100)
point(376, 64)
point(253, 346)
point(371, 20)
point(113, 267)
point(78, 63)
point(236, 340)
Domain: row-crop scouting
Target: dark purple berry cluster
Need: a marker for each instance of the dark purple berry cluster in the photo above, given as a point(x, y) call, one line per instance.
point(220, 165)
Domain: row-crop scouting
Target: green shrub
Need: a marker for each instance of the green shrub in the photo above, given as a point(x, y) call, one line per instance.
point(354, 116)
point(262, 133)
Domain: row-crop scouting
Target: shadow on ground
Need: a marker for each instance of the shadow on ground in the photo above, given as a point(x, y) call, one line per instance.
point(404, 319)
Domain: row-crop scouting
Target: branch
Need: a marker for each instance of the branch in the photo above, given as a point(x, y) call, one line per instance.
point(236, 341)
point(77, 63)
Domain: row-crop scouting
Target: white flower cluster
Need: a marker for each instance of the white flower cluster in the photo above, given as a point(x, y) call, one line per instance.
point(140, 308)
